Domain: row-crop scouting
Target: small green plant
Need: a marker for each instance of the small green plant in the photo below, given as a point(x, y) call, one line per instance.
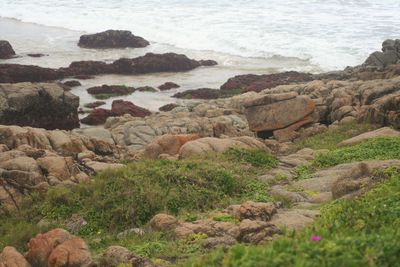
point(225, 218)
point(303, 172)
point(257, 158)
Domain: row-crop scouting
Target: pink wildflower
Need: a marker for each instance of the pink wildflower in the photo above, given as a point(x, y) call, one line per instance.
point(316, 238)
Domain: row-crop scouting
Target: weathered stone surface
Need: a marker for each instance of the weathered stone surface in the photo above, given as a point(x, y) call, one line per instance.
point(10, 257)
point(210, 144)
point(201, 93)
point(168, 107)
point(167, 144)
point(70, 253)
point(390, 54)
point(256, 232)
point(15, 73)
point(294, 218)
point(280, 114)
point(113, 256)
point(382, 132)
point(112, 39)
point(43, 105)
point(255, 211)
point(72, 83)
point(6, 50)
point(288, 133)
point(163, 222)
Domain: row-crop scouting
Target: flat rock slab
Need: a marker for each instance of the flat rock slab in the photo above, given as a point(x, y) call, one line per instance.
point(294, 219)
point(278, 115)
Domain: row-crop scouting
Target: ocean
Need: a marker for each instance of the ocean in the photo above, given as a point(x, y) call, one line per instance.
point(244, 36)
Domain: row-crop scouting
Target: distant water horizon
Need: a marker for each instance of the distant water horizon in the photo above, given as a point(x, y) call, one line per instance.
point(330, 34)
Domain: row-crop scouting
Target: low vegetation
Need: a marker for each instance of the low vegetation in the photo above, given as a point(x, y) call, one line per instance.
point(360, 232)
point(129, 197)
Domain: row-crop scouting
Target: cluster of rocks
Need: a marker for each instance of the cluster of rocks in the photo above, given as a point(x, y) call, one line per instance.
point(118, 108)
point(149, 63)
point(33, 159)
point(58, 248)
point(252, 222)
point(390, 55)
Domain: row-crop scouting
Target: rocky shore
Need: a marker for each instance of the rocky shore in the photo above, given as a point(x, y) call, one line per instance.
point(42, 146)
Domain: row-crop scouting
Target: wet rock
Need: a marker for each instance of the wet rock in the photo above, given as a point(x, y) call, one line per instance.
point(163, 222)
point(36, 55)
point(10, 257)
point(202, 93)
point(208, 62)
point(86, 68)
point(43, 105)
point(257, 83)
point(146, 89)
point(168, 107)
point(112, 39)
point(168, 86)
point(72, 83)
point(6, 50)
point(120, 107)
point(14, 73)
point(106, 91)
point(94, 104)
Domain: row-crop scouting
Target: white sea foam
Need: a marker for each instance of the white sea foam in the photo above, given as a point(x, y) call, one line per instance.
point(330, 33)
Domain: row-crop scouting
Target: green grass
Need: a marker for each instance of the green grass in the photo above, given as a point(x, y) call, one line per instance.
point(332, 137)
point(375, 149)
point(361, 232)
point(129, 197)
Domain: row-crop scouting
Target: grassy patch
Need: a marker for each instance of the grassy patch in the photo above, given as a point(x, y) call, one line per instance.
point(117, 200)
point(361, 232)
point(374, 149)
point(331, 138)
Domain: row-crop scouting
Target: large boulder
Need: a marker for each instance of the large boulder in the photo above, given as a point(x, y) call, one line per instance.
point(382, 132)
point(277, 111)
point(257, 83)
point(163, 222)
point(6, 50)
point(112, 39)
point(58, 248)
point(43, 105)
point(390, 54)
point(10, 257)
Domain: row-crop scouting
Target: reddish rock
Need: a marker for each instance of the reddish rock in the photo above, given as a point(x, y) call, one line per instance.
point(41, 246)
point(97, 116)
point(168, 144)
point(288, 133)
point(202, 93)
point(112, 39)
point(72, 83)
point(257, 83)
point(168, 107)
point(10, 257)
point(120, 107)
point(94, 104)
point(6, 50)
point(162, 222)
point(168, 86)
point(73, 252)
point(278, 115)
point(115, 90)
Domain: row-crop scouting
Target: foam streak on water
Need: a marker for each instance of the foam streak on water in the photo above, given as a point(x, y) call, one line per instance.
point(331, 33)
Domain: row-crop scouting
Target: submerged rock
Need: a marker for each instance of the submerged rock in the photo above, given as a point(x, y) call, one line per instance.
point(168, 86)
point(202, 93)
point(72, 83)
point(6, 50)
point(112, 39)
point(106, 91)
point(43, 105)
